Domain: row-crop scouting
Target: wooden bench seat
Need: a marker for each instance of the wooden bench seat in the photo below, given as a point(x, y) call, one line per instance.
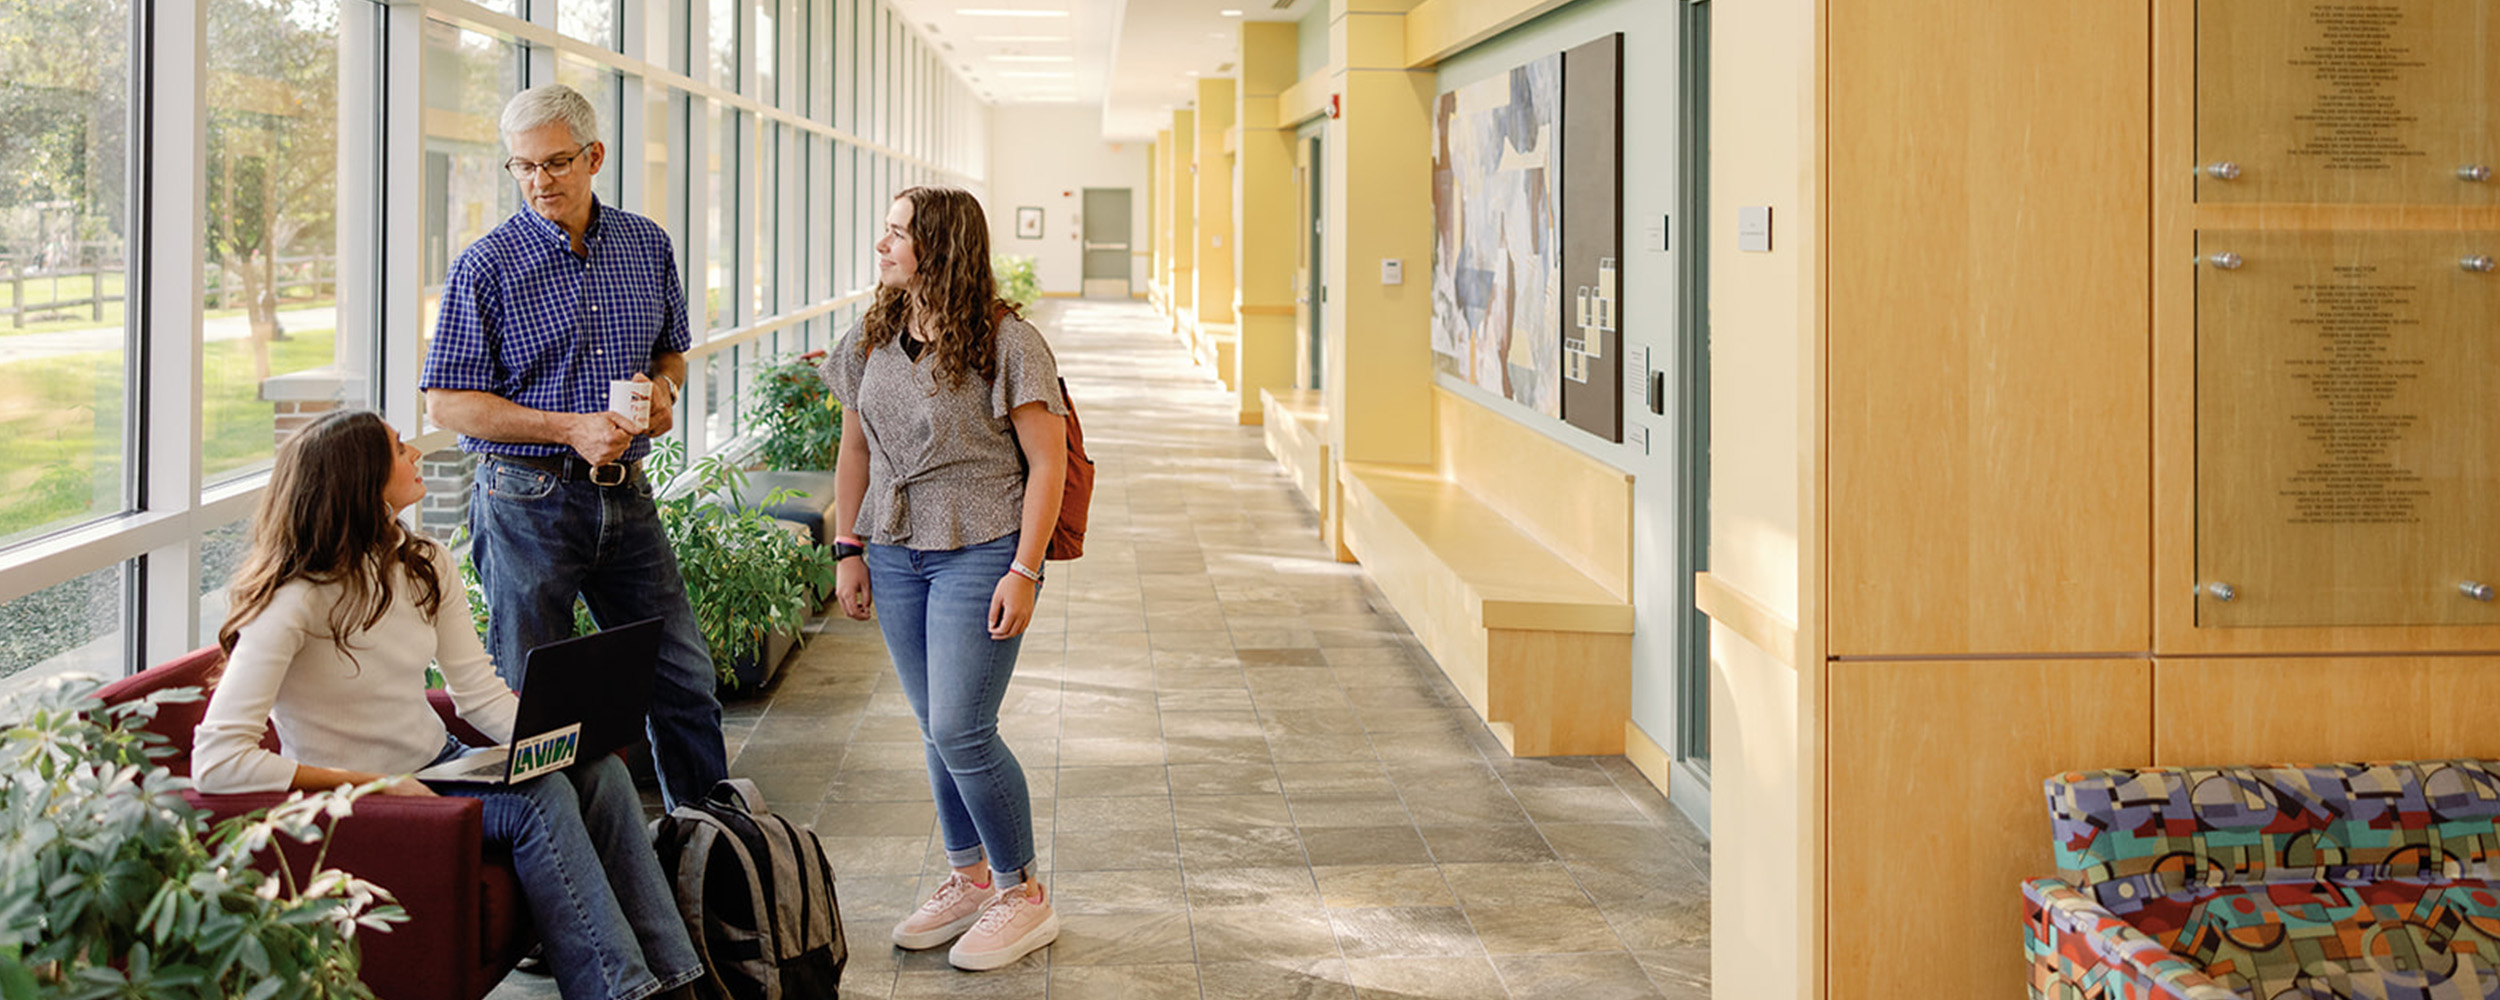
point(1295, 424)
point(1510, 559)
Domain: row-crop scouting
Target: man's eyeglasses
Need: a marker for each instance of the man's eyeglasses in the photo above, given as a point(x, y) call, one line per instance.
point(556, 166)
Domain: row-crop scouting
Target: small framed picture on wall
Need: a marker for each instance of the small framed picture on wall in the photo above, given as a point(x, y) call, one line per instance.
point(1029, 222)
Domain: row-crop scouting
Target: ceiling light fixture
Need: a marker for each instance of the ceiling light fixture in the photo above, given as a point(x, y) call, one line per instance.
point(1005, 12)
point(1229, 13)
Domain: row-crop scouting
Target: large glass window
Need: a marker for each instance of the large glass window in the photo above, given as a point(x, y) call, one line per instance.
point(273, 352)
point(467, 194)
point(720, 185)
point(592, 21)
point(72, 627)
point(761, 266)
point(601, 86)
point(64, 261)
point(723, 40)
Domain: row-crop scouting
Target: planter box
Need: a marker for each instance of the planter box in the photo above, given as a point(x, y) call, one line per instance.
point(754, 671)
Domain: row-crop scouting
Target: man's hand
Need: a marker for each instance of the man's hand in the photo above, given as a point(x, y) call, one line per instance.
point(600, 438)
point(663, 405)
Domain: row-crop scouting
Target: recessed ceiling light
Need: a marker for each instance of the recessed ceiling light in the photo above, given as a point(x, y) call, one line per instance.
point(1189, 72)
point(1229, 13)
point(1039, 59)
point(1007, 12)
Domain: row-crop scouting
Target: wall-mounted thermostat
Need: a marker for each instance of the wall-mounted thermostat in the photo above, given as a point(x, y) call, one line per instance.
point(1392, 271)
point(1753, 229)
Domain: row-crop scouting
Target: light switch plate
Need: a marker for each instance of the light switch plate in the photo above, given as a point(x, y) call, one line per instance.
point(1655, 237)
point(1753, 229)
point(1392, 271)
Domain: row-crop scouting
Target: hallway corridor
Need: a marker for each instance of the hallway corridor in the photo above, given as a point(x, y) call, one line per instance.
point(1248, 779)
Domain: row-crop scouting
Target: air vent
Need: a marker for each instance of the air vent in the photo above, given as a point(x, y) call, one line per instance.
point(1226, 68)
point(1280, 4)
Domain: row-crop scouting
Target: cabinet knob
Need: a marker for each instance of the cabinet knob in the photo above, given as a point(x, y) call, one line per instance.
point(2220, 591)
point(2474, 172)
point(2226, 260)
point(2223, 170)
point(2477, 263)
point(2477, 591)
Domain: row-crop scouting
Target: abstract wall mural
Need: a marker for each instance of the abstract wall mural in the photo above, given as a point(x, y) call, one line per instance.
point(1527, 202)
point(1497, 247)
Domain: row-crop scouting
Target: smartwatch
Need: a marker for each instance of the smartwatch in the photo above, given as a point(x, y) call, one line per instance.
point(845, 550)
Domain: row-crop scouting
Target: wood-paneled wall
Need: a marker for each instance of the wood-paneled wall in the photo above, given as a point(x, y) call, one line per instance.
point(1989, 375)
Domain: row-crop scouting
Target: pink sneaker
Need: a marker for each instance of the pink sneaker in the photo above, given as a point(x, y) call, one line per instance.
point(1017, 924)
point(954, 906)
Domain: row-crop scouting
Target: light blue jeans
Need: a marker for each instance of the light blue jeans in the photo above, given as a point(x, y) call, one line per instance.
point(541, 539)
point(934, 607)
point(595, 889)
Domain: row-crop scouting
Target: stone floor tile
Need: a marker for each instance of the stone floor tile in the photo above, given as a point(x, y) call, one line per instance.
point(1350, 886)
point(1595, 976)
point(1440, 978)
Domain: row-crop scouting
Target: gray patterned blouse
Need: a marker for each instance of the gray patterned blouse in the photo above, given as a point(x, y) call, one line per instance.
point(944, 471)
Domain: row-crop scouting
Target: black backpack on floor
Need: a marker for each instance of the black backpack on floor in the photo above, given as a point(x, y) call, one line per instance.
point(757, 897)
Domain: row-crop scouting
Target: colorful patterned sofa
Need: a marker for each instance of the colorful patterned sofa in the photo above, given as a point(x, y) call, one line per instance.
point(2341, 881)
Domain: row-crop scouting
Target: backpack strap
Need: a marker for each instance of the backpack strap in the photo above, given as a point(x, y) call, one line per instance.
point(739, 793)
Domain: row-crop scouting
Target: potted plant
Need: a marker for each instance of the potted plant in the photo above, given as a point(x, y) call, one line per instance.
point(1017, 281)
point(793, 414)
point(747, 575)
point(113, 884)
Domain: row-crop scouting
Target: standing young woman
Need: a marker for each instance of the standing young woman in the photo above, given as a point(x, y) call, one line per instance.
point(337, 611)
point(954, 448)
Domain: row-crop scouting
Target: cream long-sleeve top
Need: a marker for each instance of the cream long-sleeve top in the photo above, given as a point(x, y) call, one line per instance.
point(365, 714)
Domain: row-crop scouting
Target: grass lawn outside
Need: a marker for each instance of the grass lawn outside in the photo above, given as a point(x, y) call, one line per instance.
point(42, 292)
point(61, 418)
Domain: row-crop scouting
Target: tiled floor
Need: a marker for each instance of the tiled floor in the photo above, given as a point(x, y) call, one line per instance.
point(1248, 779)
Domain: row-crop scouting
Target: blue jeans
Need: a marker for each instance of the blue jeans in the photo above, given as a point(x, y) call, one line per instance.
point(539, 540)
point(594, 887)
point(934, 607)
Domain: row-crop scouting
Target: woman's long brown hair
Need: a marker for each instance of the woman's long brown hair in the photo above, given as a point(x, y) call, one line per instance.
point(324, 520)
point(951, 240)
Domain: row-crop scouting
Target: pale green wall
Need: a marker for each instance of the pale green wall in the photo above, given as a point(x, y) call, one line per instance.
point(1650, 169)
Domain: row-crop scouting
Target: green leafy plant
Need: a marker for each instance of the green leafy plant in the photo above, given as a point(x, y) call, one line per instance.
point(113, 885)
point(1017, 281)
point(746, 574)
point(796, 415)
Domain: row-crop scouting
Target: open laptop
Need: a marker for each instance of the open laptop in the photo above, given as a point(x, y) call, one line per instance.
point(580, 697)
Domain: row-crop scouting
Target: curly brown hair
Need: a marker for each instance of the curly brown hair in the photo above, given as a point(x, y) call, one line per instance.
point(324, 520)
point(951, 239)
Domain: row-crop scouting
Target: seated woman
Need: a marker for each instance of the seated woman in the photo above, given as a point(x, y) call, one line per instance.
point(337, 612)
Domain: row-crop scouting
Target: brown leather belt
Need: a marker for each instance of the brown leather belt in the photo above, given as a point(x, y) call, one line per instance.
point(572, 467)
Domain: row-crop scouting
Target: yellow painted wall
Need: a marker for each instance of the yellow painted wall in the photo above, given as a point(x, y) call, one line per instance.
point(1766, 417)
point(1265, 216)
point(1213, 209)
point(1379, 347)
point(1159, 193)
point(1184, 270)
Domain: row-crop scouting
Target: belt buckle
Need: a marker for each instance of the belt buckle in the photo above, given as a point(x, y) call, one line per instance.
point(597, 469)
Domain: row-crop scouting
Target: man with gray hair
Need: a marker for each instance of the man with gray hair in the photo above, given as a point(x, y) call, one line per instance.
point(538, 318)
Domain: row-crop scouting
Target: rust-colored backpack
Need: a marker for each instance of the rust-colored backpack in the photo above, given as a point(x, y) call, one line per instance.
point(1067, 538)
point(1076, 497)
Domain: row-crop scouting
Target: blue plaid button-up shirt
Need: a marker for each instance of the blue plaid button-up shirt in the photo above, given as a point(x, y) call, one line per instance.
point(526, 319)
